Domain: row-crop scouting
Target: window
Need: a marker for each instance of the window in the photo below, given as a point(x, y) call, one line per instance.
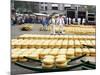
point(66, 8)
point(54, 8)
point(46, 8)
point(41, 7)
point(41, 2)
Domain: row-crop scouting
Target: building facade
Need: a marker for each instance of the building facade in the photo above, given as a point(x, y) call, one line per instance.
point(69, 10)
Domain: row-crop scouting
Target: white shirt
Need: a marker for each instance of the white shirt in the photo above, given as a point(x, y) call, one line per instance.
point(83, 20)
point(53, 21)
point(79, 19)
point(73, 20)
point(60, 21)
point(69, 19)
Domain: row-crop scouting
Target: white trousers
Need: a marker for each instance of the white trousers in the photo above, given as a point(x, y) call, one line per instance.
point(83, 23)
point(69, 22)
point(61, 28)
point(79, 23)
point(52, 28)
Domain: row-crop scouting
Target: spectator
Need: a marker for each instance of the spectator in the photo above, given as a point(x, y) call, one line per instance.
point(30, 20)
point(13, 20)
point(44, 23)
point(19, 19)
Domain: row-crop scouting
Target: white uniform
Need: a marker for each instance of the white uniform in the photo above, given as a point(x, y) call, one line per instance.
point(83, 21)
point(79, 21)
point(60, 21)
point(53, 22)
point(74, 21)
point(69, 20)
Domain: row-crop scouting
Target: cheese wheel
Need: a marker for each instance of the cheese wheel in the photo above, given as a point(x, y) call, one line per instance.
point(60, 60)
point(64, 43)
point(78, 51)
point(92, 52)
point(70, 53)
point(62, 51)
point(63, 65)
point(54, 51)
point(47, 66)
point(48, 61)
point(86, 51)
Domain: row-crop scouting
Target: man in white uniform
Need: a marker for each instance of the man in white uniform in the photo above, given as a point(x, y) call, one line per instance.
point(60, 22)
point(74, 21)
point(52, 23)
point(83, 21)
point(79, 21)
point(69, 20)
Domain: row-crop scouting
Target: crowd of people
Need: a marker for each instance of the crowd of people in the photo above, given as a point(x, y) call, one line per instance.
point(53, 20)
point(61, 21)
point(21, 19)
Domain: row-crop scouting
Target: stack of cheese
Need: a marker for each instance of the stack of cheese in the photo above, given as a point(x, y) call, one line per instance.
point(61, 61)
point(48, 62)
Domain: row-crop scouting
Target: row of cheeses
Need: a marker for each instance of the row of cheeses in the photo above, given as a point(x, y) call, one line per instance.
point(76, 29)
point(26, 43)
point(37, 36)
point(83, 29)
point(19, 54)
point(82, 26)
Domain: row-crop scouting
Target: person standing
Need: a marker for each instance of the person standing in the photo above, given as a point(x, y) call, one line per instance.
point(60, 22)
point(44, 23)
point(52, 23)
point(69, 20)
point(79, 21)
point(74, 21)
point(83, 21)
